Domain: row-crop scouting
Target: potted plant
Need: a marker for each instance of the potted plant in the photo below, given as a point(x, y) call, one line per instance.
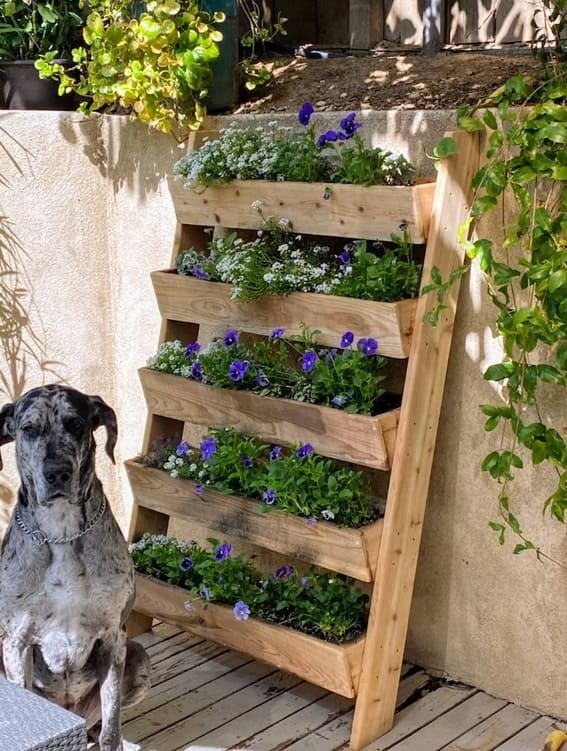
point(152, 59)
point(27, 31)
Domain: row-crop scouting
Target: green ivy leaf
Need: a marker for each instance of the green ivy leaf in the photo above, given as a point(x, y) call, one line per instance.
point(447, 146)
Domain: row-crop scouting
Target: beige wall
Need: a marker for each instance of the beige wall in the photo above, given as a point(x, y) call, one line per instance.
point(89, 207)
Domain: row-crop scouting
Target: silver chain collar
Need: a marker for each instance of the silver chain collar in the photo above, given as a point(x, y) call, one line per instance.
point(40, 538)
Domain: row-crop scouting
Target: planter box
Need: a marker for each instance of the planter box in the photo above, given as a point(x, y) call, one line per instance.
point(352, 438)
point(349, 551)
point(332, 666)
point(184, 298)
point(351, 211)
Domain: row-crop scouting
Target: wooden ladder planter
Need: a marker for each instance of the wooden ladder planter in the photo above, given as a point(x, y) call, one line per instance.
point(335, 667)
point(402, 440)
point(348, 551)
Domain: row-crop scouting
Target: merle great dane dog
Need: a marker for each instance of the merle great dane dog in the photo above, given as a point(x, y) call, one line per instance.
point(66, 578)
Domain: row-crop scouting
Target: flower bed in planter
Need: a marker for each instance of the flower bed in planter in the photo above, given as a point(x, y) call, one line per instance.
point(354, 438)
point(374, 212)
point(349, 551)
point(335, 667)
point(184, 298)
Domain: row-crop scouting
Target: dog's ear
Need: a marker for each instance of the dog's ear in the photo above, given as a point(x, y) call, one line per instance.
point(105, 415)
point(7, 426)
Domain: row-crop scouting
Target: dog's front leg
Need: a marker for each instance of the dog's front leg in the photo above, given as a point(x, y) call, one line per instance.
point(18, 661)
point(112, 665)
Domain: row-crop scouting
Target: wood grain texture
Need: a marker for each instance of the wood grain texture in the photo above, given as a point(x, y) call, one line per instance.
point(411, 469)
point(355, 211)
point(354, 438)
point(320, 662)
point(341, 549)
point(184, 298)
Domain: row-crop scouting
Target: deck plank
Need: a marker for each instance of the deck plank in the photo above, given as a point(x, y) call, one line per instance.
point(175, 644)
point(158, 633)
point(179, 663)
point(497, 729)
point(533, 736)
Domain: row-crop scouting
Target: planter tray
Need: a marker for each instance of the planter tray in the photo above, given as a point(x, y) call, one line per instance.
point(332, 666)
point(349, 551)
point(352, 438)
point(351, 211)
point(184, 298)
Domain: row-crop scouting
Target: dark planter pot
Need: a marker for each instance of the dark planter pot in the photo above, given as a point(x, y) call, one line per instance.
point(21, 88)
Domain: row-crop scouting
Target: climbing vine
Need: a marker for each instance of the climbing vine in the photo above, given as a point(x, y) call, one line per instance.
point(525, 126)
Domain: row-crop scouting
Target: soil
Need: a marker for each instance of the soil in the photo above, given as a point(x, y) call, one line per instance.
point(386, 79)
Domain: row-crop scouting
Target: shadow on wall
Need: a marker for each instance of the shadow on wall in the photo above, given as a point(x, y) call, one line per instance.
point(22, 343)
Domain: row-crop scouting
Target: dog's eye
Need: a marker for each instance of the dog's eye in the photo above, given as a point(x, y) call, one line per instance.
point(31, 431)
point(75, 426)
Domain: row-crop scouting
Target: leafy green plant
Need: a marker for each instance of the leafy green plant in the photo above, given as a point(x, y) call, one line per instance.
point(321, 604)
point(256, 74)
point(344, 378)
point(30, 29)
point(279, 262)
point(526, 278)
point(293, 479)
point(300, 156)
point(153, 59)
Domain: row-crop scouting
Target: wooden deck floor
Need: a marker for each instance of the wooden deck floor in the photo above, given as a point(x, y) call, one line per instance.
point(207, 698)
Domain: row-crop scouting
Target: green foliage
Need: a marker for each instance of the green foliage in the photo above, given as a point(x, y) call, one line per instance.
point(361, 165)
point(30, 29)
point(256, 74)
point(526, 277)
point(155, 61)
point(293, 479)
point(321, 604)
point(280, 262)
point(343, 378)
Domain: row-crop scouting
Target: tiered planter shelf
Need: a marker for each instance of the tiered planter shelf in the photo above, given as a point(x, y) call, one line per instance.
point(402, 441)
point(348, 551)
point(335, 667)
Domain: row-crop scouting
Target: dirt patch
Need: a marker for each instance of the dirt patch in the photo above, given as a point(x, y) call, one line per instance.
point(387, 80)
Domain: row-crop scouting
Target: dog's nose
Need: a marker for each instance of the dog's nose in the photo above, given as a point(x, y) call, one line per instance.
point(57, 474)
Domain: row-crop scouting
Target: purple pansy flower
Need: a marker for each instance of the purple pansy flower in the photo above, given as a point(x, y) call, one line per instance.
point(308, 361)
point(192, 349)
point(230, 338)
point(304, 581)
point(262, 379)
point(349, 125)
point(338, 401)
point(199, 489)
point(344, 257)
point(186, 564)
point(368, 346)
point(277, 333)
point(241, 611)
point(238, 370)
point(197, 371)
point(304, 450)
point(223, 552)
point(347, 339)
point(200, 273)
point(326, 194)
point(269, 496)
point(182, 449)
point(208, 447)
point(247, 462)
point(311, 520)
point(403, 226)
point(275, 453)
point(305, 112)
point(283, 572)
point(205, 593)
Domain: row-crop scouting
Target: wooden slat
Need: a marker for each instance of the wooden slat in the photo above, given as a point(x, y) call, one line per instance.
point(324, 544)
point(354, 438)
point(184, 298)
point(416, 436)
point(532, 738)
point(351, 210)
point(493, 731)
point(178, 664)
point(325, 664)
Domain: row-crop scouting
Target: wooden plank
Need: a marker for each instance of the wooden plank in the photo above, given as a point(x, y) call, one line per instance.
point(182, 684)
point(351, 210)
point(411, 469)
point(187, 730)
point(189, 703)
point(176, 644)
point(184, 298)
point(172, 666)
point(320, 662)
point(533, 737)
point(437, 734)
point(493, 731)
point(324, 544)
point(366, 23)
point(354, 438)
point(158, 633)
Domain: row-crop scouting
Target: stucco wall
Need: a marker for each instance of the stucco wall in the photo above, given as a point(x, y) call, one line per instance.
point(89, 207)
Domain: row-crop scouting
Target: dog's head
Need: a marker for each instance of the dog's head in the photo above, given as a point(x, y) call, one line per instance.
point(53, 429)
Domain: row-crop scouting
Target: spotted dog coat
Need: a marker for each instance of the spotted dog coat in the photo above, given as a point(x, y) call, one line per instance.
point(66, 578)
